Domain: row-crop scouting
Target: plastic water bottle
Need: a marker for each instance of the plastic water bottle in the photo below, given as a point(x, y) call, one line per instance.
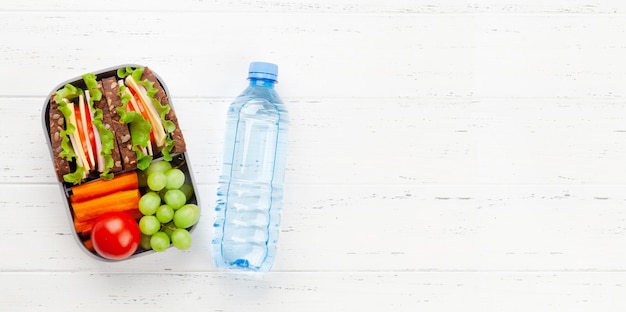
point(250, 191)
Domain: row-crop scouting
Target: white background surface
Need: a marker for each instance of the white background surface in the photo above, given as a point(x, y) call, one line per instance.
point(443, 157)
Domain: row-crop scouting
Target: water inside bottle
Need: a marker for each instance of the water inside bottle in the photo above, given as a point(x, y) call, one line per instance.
point(250, 189)
point(248, 199)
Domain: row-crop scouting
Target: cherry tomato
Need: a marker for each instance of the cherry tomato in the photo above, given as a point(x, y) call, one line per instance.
point(115, 235)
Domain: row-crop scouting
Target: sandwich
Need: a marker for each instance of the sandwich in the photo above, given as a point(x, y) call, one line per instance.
point(99, 127)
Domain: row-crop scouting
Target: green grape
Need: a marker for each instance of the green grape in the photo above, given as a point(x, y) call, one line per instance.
point(181, 239)
point(157, 181)
point(149, 225)
point(159, 241)
point(145, 242)
point(162, 194)
point(175, 179)
point(175, 198)
point(149, 202)
point(169, 228)
point(165, 213)
point(186, 216)
point(187, 189)
point(158, 166)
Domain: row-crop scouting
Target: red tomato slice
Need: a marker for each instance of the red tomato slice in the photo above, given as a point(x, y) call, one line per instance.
point(91, 135)
point(81, 132)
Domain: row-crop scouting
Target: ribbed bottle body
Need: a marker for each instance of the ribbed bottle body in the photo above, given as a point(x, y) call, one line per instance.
point(250, 189)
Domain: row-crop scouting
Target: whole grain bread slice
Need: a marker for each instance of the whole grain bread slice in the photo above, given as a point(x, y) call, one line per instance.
point(57, 124)
point(177, 135)
point(120, 130)
point(108, 124)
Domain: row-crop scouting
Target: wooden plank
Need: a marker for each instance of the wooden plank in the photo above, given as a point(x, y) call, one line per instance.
point(322, 56)
point(362, 228)
point(315, 291)
point(318, 6)
point(329, 6)
point(387, 141)
point(346, 66)
point(177, 53)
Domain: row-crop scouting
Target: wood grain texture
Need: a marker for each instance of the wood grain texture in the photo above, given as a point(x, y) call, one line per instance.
point(389, 141)
point(306, 291)
point(466, 155)
point(345, 56)
point(329, 6)
point(402, 228)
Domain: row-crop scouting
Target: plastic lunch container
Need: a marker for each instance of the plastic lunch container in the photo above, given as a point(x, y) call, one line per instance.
point(180, 161)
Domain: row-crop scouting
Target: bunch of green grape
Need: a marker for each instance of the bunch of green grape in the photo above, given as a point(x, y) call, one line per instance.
point(166, 214)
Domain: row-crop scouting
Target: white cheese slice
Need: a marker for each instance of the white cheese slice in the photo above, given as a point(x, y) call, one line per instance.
point(83, 120)
point(96, 133)
point(157, 126)
point(75, 139)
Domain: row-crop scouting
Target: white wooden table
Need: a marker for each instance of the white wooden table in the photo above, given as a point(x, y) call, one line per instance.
point(467, 156)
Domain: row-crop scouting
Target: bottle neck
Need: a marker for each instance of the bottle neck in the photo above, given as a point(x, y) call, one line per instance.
point(262, 82)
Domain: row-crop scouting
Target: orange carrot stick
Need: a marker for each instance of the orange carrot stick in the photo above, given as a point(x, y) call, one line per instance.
point(121, 182)
point(84, 226)
point(118, 201)
point(88, 244)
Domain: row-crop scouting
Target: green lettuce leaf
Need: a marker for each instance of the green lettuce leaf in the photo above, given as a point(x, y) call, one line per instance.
point(162, 109)
point(106, 135)
point(128, 71)
point(106, 139)
point(137, 73)
point(92, 86)
point(69, 92)
point(139, 133)
point(149, 86)
point(169, 127)
point(124, 96)
point(75, 177)
point(67, 151)
point(124, 71)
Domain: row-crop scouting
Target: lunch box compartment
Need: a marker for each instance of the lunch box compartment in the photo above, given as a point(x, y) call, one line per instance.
point(180, 160)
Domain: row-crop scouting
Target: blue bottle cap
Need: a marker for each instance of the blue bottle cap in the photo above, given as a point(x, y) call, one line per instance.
point(263, 70)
